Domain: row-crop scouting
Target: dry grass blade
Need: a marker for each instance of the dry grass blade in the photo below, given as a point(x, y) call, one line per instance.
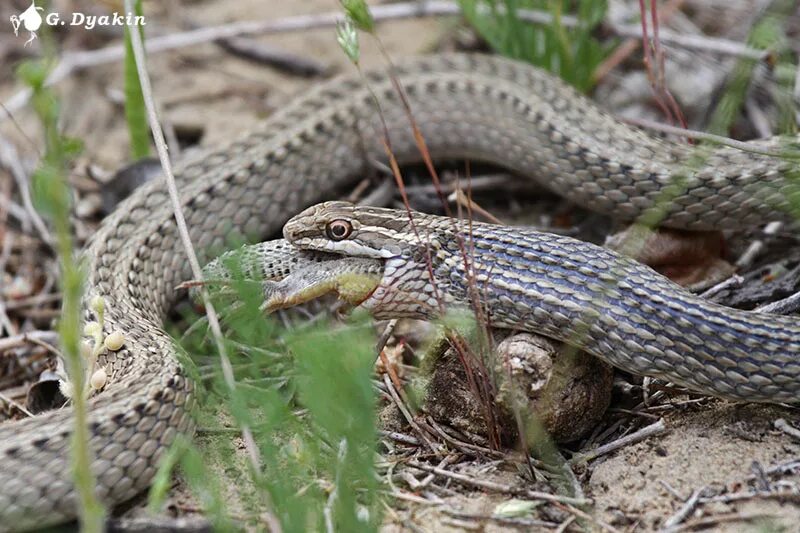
point(10, 159)
point(654, 61)
point(161, 147)
point(624, 51)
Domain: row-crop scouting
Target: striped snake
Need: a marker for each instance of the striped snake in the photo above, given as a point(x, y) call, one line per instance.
point(479, 108)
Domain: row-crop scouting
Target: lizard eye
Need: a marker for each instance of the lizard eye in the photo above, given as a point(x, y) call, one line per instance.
point(338, 230)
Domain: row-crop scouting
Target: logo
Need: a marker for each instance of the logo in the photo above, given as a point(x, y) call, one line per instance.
point(31, 20)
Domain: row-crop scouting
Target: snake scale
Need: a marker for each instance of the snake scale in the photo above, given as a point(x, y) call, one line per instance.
point(472, 107)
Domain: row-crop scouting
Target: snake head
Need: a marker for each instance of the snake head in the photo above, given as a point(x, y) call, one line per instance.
point(350, 230)
point(407, 243)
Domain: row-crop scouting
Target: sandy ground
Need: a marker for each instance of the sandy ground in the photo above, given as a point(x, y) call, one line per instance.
point(721, 446)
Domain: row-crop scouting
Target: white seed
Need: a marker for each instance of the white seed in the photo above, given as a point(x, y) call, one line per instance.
point(114, 341)
point(91, 328)
point(98, 379)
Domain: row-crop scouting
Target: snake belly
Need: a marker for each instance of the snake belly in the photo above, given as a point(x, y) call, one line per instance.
point(472, 107)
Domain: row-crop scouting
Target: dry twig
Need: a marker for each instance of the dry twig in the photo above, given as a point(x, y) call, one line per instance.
point(500, 487)
point(519, 522)
point(705, 522)
point(653, 429)
point(8, 343)
point(757, 246)
point(787, 428)
point(387, 381)
point(685, 510)
point(782, 307)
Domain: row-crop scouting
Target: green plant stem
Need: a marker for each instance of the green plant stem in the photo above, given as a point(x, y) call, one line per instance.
point(91, 512)
point(52, 195)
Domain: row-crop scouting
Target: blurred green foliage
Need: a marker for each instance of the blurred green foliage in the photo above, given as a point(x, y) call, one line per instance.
point(769, 33)
point(307, 394)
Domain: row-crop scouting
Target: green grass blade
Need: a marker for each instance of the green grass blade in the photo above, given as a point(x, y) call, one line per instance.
point(571, 53)
point(135, 113)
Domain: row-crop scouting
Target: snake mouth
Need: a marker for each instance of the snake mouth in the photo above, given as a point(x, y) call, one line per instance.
point(291, 276)
point(354, 280)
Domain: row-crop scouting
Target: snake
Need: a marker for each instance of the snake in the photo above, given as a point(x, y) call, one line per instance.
point(466, 107)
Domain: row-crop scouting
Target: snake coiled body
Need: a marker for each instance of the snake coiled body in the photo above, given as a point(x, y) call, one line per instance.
point(468, 107)
point(519, 279)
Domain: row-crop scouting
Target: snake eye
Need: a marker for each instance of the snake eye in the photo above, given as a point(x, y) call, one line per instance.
point(338, 230)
